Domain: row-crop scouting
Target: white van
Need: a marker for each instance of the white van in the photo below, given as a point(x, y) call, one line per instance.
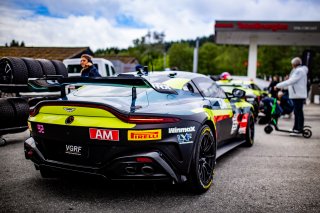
point(105, 67)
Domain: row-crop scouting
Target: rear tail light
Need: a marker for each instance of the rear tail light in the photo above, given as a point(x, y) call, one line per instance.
point(33, 111)
point(151, 120)
point(144, 160)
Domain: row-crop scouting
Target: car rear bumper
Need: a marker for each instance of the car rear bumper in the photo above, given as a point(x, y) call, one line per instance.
point(139, 166)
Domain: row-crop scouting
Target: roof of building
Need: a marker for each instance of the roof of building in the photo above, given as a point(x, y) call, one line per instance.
point(51, 53)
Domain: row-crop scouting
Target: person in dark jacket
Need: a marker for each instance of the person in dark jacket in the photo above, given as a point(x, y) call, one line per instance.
point(88, 69)
point(272, 89)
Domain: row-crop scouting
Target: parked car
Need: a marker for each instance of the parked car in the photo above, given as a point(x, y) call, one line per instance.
point(105, 67)
point(159, 126)
point(253, 92)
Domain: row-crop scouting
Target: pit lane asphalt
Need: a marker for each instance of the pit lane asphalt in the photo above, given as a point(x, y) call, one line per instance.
point(278, 174)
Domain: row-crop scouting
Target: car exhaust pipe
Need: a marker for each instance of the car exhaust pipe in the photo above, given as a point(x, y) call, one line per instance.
point(147, 170)
point(130, 170)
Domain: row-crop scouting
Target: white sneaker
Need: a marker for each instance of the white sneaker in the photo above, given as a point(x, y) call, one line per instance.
point(294, 133)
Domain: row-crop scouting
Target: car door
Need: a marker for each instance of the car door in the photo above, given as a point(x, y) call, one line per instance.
point(220, 106)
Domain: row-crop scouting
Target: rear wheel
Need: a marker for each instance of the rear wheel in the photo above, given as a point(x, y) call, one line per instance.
point(250, 131)
point(307, 133)
point(268, 129)
point(203, 162)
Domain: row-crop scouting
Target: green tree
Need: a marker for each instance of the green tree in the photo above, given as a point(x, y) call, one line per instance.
point(207, 54)
point(232, 59)
point(275, 60)
point(181, 56)
point(15, 43)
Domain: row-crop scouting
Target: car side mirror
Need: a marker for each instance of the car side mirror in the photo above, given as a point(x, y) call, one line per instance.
point(238, 93)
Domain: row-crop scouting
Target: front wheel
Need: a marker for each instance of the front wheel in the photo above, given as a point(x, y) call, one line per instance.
point(203, 162)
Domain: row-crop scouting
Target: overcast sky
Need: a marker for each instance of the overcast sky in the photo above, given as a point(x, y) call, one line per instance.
point(116, 23)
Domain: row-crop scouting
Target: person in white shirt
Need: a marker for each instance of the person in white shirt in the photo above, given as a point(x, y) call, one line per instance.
point(297, 87)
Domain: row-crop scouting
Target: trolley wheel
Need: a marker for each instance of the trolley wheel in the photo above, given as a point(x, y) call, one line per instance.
point(307, 133)
point(2, 142)
point(268, 129)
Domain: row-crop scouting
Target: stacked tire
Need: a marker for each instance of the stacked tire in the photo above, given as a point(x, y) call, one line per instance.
point(15, 70)
point(14, 112)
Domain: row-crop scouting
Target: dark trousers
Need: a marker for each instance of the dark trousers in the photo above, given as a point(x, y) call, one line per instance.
point(298, 114)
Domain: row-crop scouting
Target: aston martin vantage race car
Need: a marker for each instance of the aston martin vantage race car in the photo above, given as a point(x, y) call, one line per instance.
point(166, 125)
point(253, 93)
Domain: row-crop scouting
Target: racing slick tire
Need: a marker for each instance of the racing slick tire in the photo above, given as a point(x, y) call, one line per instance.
point(203, 162)
point(250, 130)
point(60, 68)
point(21, 111)
point(34, 68)
point(47, 67)
point(6, 114)
point(13, 71)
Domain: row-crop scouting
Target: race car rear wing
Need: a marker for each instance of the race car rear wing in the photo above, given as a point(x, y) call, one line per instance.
point(58, 83)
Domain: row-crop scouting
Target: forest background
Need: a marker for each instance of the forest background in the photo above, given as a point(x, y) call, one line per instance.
point(153, 51)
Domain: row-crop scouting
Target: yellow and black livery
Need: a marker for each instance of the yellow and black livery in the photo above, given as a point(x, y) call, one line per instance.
point(169, 126)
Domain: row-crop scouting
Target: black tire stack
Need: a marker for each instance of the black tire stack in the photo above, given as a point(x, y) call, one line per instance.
point(15, 70)
point(14, 112)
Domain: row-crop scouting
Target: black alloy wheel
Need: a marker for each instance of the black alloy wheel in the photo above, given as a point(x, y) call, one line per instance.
point(6, 72)
point(204, 160)
point(13, 71)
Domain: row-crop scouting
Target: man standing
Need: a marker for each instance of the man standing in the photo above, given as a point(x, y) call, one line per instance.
point(297, 86)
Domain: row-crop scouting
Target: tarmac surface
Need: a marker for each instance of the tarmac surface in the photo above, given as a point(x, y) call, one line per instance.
point(280, 173)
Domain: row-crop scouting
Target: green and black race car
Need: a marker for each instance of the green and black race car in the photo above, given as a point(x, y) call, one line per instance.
point(149, 126)
point(253, 93)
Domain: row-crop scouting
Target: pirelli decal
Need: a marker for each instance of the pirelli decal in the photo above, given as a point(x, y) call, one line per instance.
point(144, 135)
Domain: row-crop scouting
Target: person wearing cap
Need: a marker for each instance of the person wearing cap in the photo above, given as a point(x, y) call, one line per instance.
point(297, 87)
point(88, 69)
